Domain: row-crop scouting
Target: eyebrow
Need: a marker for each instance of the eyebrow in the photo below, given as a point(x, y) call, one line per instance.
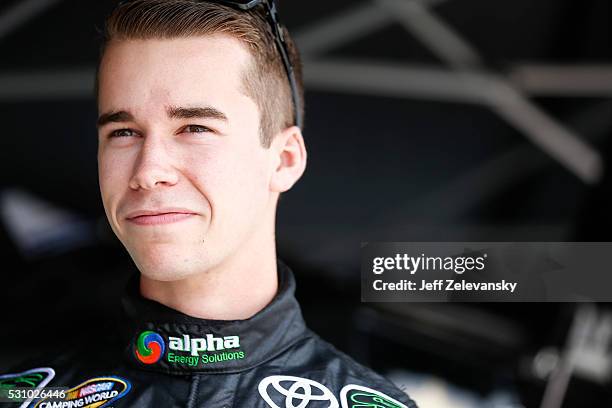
point(114, 117)
point(207, 112)
point(173, 112)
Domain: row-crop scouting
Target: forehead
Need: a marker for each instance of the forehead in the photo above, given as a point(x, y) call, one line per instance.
point(159, 72)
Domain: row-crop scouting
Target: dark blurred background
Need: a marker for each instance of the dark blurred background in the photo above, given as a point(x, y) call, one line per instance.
point(427, 120)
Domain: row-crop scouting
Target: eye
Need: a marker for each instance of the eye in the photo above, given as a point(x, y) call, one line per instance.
point(196, 129)
point(122, 133)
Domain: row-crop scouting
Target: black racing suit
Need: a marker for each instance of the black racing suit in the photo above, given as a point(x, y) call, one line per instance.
point(169, 359)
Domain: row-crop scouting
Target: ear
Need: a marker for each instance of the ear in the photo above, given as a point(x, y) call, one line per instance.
point(289, 159)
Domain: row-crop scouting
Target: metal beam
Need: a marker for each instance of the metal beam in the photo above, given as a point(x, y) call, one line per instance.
point(21, 13)
point(332, 32)
point(440, 37)
point(394, 80)
point(554, 138)
point(46, 85)
point(568, 80)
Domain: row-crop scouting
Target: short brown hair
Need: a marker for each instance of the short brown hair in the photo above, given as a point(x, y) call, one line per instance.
point(265, 81)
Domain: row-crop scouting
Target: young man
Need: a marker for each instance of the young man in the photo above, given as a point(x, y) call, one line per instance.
point(198, 137)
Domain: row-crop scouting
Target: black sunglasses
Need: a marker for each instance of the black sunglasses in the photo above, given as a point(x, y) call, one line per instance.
point(279, 38)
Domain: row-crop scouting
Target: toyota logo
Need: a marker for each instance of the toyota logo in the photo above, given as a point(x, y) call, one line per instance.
point(296, 392)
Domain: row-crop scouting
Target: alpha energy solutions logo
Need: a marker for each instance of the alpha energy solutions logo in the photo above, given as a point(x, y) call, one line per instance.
point(192, 351)
point(149, 347)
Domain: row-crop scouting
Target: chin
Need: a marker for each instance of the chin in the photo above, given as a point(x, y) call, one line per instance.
point(166, 265)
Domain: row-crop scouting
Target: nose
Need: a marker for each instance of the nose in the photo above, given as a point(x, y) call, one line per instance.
point(154, 166)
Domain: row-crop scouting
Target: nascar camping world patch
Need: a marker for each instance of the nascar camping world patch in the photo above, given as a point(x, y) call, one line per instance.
point(94, 393)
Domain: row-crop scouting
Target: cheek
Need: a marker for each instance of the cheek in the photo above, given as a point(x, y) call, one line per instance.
point(113, 175)
point(232, 182)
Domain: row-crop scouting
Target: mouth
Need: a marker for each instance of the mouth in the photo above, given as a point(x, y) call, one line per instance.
point(159, 217)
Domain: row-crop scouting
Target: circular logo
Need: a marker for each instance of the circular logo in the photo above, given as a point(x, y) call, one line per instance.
point(149, 347)
point(296, 392)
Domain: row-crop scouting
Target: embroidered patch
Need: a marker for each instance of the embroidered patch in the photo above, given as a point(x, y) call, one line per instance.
point(186, 351)
point(295, 392)
point(94, 393)
point(357, 396)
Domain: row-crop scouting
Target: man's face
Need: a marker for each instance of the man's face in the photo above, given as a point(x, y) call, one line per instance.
point(181, 140)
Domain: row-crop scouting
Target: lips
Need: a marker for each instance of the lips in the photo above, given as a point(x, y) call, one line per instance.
point(160, 216)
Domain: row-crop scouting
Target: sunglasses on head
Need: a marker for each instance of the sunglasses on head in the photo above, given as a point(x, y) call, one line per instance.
point(274, 21)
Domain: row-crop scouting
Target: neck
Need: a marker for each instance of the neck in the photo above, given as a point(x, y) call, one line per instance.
point(236, 289)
